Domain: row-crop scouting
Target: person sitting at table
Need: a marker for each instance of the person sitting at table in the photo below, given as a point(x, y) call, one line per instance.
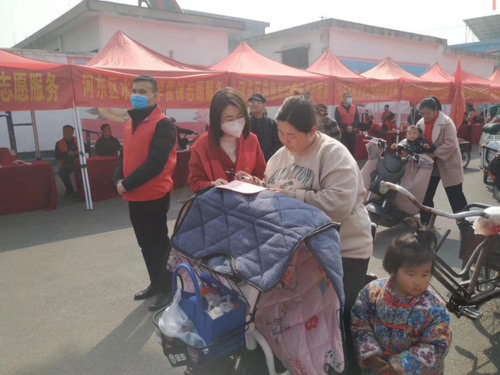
point(367, 124)
point(390, 122)
point(66, 151)
point(228, 146)
point(107, 145)
point(182, 142)
point(386, 112)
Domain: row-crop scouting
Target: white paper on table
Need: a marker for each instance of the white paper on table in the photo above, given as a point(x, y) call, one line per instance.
point(242, 187)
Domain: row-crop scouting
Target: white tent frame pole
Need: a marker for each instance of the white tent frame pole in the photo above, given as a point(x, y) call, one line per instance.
point(83, 160)
point(35, 136)
point(398, 124)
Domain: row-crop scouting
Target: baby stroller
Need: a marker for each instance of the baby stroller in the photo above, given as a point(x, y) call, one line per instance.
point(412, 172)
point(275, 254)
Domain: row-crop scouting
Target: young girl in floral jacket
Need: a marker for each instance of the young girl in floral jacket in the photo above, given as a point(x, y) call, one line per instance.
point(399, 325)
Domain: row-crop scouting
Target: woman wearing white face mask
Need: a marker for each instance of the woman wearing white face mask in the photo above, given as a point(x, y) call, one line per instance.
point(228, 147)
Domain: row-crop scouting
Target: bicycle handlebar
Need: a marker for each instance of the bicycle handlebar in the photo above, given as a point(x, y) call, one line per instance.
point(431, 210)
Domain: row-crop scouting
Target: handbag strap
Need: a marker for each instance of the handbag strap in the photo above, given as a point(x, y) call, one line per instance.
point(212, 281)
point(187, 267)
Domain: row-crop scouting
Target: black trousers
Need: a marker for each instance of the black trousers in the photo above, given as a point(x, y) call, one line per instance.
point(349, 140)
point(65, 171)
point(455, 195)
point(149, 219)
point(354, 281)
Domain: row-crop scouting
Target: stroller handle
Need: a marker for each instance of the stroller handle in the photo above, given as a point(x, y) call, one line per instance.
point(431, 210)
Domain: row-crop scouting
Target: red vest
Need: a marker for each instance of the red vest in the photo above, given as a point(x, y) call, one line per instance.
point(347, 117)
point(63, 147)
point(135, 152)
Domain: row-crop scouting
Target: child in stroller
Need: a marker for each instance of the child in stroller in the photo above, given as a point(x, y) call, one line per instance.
point(414, 142)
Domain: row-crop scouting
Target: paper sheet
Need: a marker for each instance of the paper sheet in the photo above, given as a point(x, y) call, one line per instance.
point(242, 187)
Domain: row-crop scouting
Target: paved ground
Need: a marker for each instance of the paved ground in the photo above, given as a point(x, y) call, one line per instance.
point(67, 279)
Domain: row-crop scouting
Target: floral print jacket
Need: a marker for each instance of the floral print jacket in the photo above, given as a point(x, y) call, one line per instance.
point(412, 334)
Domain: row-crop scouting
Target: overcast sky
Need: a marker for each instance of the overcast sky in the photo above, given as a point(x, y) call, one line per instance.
point(440, 18)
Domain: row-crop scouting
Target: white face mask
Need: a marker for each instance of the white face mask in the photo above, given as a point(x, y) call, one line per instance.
point(234, 127)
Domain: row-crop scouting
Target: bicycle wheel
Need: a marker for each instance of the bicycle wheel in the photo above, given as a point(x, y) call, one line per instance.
point(465, 159)
point(490, 321)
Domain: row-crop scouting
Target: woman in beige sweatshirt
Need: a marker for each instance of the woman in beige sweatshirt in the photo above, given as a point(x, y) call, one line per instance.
point(319, 170)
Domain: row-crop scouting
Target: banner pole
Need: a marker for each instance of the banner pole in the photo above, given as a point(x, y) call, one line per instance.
point(35, 136)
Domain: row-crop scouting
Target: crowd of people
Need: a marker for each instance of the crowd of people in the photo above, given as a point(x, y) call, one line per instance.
point(393, 326)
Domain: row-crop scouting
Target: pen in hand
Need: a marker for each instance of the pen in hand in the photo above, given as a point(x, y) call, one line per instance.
point(238, 177)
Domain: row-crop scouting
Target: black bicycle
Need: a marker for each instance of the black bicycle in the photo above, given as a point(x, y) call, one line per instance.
point(478, 282)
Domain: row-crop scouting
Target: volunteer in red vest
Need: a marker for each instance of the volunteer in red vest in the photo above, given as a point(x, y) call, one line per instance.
point(66, 151)
point(228, 146)
point(347, 116)
point(143, 176)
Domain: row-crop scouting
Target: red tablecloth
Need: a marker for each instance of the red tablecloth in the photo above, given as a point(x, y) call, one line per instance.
point(27, 187)
point(100, 170)
point(475, 133)
point(360, 147)
point(181, 171)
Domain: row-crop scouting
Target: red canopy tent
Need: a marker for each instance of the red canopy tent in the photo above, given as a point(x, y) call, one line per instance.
point(436, 74)
point(403, 85)
point(344, 79)
point(495, 87)
point(250, 72)
point(476, 88)
point(27, 84)
point(107, 79)
point(124, 54)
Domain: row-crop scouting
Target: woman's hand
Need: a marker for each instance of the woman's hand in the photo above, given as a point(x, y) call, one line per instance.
point(278, 190)
point(219, 182)
point(248, 178)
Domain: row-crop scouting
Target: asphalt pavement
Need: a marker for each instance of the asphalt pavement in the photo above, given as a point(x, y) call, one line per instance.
point(67, 280)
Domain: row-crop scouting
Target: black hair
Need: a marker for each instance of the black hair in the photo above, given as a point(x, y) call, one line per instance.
point(103, 126)
point(221, 99)
point(431, 102)
point(147, 78)
point(68, 126)
point(412, 249)
point(390, 116)
point(418, 128)
point(299, 111)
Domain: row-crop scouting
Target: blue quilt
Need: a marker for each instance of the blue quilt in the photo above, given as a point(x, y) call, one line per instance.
point(257, 235)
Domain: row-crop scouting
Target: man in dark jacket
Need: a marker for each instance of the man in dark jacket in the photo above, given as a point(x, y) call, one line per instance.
point(65, 152)
point(326, 124)
point(107, 145)
point(143, 176)
point(265, 128)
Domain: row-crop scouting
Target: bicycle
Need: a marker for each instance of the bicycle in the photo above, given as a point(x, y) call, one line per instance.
point(479, 279)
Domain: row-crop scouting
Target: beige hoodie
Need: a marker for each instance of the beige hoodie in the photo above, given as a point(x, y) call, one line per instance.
point(326, 176)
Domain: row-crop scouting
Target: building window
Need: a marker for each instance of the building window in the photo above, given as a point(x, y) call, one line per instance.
point(297, 57)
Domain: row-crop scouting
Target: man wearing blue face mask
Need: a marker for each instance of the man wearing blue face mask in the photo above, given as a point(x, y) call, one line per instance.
point(347, 117)
point(143, 176)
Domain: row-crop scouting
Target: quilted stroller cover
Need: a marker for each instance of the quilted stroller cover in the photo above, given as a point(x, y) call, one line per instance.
point(288, 250)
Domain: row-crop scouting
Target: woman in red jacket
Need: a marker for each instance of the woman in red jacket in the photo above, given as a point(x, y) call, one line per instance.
point(228, 146)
